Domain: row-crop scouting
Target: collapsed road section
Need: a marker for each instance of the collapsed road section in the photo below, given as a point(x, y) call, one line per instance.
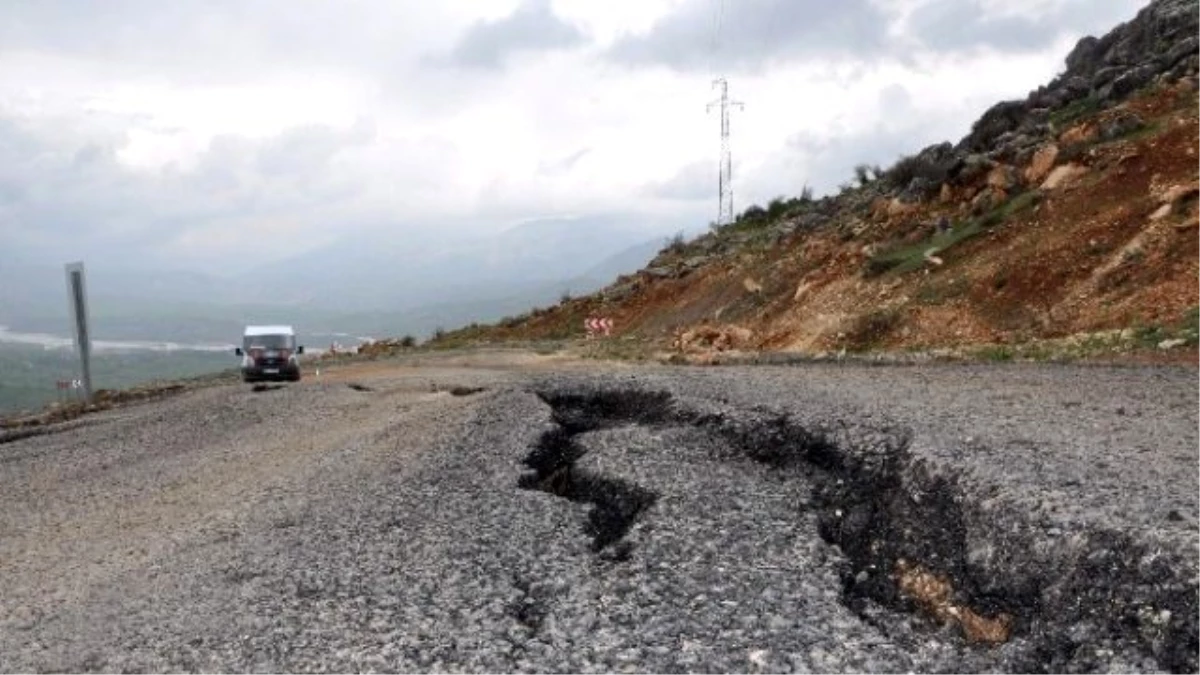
point(948, 572)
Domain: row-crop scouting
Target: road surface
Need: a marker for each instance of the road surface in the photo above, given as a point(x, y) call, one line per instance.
point(503, 511)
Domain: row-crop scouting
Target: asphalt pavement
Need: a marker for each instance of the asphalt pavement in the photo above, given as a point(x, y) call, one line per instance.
point(486, 516)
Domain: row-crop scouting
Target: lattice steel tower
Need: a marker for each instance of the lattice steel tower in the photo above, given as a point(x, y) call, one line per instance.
point(725, 177)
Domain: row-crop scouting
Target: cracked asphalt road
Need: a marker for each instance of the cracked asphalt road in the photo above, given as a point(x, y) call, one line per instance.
point(397, 526)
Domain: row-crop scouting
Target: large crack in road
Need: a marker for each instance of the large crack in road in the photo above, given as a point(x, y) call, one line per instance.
point(902, 530)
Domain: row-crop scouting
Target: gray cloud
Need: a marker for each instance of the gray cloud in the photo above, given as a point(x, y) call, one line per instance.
point(532, 27)
point(755, 33)
point(562, 165)
point(956, 25)
point(694, 181)
point(71, 196)
point(227, 41)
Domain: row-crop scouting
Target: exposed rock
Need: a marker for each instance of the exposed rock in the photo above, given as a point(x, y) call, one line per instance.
point(920, 175)
point(898, 208)
point(1123, 123)
point(659, 272)
point(1085, 56)
point(973, 167)
point(1179, 193)
point(987, 199)
point(1187, 224)
point(1041, 164)
point(935, 595)
point(751, 285)
point(1080, 133)
point(712, 339)
point(946, 194)
point(1182, 50)
point(1002, 177)
point(1063, 175)
point(1000, 118)
point(811, 220)
point(1131, 80)
point(1161, 212)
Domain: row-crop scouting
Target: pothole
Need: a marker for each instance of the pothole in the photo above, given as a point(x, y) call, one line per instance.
point(915, 541)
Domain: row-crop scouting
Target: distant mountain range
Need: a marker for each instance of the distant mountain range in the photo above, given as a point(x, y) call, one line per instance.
point(359, 285)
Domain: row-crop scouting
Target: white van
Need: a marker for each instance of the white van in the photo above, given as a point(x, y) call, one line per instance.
point(269, 353)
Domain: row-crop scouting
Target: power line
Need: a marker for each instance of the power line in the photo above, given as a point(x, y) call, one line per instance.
point(718, 21)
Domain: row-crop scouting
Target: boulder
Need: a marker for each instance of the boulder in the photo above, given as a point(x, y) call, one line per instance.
point(1002, 177)
point(1130, 81)
point(1041, 164)
point(1085, 56)
point(751, 285)
point(1000, 118)
point(1121, 124)
point(973, 167)
point(712, 339)
point(1182, 50)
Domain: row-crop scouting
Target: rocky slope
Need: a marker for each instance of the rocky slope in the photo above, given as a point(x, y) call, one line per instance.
point(1070, 215)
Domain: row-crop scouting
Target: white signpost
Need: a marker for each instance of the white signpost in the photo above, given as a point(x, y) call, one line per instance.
point(77, 294)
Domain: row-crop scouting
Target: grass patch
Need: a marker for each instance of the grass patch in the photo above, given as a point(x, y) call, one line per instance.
point(912, 258)
point(996, 353)
point(1149, 335)
point(1074, 111)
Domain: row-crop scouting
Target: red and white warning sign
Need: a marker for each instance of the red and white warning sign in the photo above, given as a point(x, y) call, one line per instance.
point(597, 325)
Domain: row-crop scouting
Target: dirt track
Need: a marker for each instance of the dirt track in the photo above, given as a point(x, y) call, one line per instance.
point(510, 511)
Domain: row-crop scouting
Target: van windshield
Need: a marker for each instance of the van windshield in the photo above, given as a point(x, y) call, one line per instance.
point(268, 341)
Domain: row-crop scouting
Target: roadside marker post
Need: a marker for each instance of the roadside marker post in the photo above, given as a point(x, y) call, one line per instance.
point(77, 294)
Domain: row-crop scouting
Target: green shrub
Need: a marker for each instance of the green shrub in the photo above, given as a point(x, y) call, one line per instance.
point(1190, 328)
point(1074, 111)
point(996, 353)
point(1148, 335)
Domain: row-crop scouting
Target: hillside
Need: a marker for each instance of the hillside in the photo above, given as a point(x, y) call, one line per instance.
point(1069, 217)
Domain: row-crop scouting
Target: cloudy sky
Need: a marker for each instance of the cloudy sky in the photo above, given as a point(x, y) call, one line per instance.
point(202, 133)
